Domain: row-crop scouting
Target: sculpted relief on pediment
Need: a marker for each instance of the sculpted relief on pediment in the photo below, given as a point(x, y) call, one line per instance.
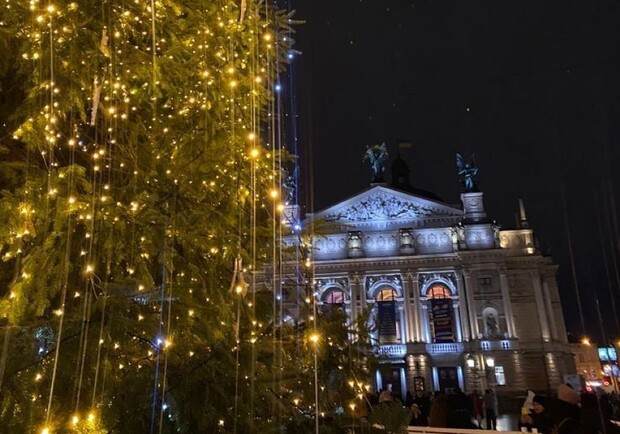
point(383, 206)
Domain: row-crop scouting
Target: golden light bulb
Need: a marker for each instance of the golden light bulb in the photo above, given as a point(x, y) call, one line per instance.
point(75, 420)
point(267, 37)
point(586, 341)
point(91, 417)
point(45, 430)
point(254, 153)
point(251, 136)
point(314, 338)
point(273, 193)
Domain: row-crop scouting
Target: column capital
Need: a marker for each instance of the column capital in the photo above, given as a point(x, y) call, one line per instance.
point(410, 276)
point(355, 278)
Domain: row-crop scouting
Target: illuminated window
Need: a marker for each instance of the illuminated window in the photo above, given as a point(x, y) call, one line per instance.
point(386, 294)
point(438, 291)
point(499, 376)
point(333, 301)
point(335, 296)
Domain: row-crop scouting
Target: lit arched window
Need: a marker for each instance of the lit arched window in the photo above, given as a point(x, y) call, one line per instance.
point(332, 301)
point(386, 294)
point(437, 291)
point(388, 321)
point(334, 296)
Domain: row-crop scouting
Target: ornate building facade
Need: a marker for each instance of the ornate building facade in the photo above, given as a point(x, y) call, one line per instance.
point(453, 300)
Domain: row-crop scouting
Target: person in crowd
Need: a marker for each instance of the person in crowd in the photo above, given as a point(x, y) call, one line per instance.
point(490, 409)
point(538, 417)
point(385, 396)
point(476, 407)
point(564, 411)
point(408, 399)
point(596, 414)
point(424, 404)
point(459, 415)
point(416, 418)
point(438, 416)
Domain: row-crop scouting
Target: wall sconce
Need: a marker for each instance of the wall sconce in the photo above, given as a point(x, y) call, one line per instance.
point(490, 362)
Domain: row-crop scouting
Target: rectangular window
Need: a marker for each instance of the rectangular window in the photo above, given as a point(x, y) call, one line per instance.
point(499, 376)
point(484, 281)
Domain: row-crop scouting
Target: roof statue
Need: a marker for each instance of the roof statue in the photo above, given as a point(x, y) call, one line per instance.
point(467, 172)
point(377, 156)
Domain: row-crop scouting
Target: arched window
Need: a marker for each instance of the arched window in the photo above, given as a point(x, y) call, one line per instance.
point(333, 301)
point(334, 296)
point(388, 321)
point(437, 291)
point(441, 313)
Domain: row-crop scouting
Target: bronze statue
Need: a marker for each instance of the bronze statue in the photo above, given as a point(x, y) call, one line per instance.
point(377, 155)
point(467, 172)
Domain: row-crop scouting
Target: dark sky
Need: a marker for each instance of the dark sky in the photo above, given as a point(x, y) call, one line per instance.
point(531, 87)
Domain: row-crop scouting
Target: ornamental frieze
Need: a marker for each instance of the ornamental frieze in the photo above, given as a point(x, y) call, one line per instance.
point(383, 206)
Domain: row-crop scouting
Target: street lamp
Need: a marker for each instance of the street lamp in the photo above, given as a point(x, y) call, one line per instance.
point(490, 362)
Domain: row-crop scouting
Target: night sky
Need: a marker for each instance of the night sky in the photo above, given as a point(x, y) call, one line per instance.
point(531, 87)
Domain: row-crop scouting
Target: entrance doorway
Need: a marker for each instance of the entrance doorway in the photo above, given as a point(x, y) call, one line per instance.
point(390, 380)
point(448, 379)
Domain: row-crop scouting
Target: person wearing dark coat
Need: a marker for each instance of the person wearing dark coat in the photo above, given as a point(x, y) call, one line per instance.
point(417, 419)
point(538, 417)
point(564, 411)
point(596, 415)
point(408, 399)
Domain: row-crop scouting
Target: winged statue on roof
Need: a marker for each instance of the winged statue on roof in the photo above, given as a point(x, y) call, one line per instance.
point(467, 171)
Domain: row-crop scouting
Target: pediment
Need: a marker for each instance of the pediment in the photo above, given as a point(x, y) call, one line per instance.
point(381, 205)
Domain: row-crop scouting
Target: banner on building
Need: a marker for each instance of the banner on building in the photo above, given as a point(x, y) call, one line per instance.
point(387, 321)
point(441, 314)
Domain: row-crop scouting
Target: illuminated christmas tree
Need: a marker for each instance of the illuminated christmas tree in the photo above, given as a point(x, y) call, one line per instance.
point(141, 185)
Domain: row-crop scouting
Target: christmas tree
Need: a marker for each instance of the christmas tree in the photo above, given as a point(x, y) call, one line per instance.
point(141, 183)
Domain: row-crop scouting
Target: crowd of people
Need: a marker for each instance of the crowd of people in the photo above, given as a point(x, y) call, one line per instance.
point(567, 412)
point(571, 412)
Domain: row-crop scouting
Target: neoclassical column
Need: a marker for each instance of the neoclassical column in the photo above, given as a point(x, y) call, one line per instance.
point(418, 313)
point(402, 313)
point(412, 318)
point(550, 314)
point(354, 290)
point(463, 309)
point(426, 324)
point(457, 317)
point(469, 292)
point(510, 320)
point(540, 306)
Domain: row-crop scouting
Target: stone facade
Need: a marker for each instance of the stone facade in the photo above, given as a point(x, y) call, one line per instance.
point(454, 301)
